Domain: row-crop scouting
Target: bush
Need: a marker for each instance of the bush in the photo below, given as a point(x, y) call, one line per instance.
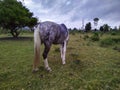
point(109, 41)
point(113, 33)
point(3, 31)
point(95, 37)
point(116, 40)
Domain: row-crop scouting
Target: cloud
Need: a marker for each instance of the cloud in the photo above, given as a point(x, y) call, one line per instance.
point(71, 12)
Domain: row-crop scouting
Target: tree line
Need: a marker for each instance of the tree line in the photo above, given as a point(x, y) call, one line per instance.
point(103, 28)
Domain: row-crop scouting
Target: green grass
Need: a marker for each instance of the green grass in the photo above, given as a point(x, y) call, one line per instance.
point(88, 67)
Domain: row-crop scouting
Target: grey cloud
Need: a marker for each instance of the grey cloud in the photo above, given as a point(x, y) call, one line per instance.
point(75, 10)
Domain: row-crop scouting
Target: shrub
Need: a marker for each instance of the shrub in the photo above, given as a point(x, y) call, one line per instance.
point(95, 37)
point(113, 33)
point(109, 41)
point(116, 40)
point(2, 31)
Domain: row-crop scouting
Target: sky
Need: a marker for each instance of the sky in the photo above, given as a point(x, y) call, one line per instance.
point(74, 12)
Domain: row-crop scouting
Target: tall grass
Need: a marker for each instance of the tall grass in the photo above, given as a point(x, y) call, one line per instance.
point(95, 37)
point(109, 41)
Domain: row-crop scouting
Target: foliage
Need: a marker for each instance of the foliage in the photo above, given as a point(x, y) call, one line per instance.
point(95, 37)
point(106, 28)
point(13, 16)
point(88, 27)
point(101, 28)
point(119, 28)
point(109, 41)
point(3, 31)
point(113, 33)
point(75, 31)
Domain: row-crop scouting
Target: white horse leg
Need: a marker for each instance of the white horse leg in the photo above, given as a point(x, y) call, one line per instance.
point(47, 65)
point(61, 50)
point(64, 52)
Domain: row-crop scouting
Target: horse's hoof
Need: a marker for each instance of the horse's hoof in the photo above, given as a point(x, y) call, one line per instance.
point(63, 63)
point(35, 70)
point(48, 69)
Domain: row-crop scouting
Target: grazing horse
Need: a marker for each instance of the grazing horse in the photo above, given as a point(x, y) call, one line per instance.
point(49, 33)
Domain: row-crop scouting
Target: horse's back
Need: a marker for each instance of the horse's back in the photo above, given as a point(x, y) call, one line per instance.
point(52, 32)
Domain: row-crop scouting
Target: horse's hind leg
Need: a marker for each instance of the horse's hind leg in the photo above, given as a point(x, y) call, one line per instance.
point(45, 53)
point(63, 52)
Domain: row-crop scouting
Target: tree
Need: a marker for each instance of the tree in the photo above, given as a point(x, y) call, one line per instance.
point(88, 27)
point(106, 27)
point(101, 28)
point(75, 29)
point(13, 16)
point(119, 28)
point(95, 22)
point(115, 28)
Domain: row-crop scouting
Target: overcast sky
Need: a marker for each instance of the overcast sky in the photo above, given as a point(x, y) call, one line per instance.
point(73, 12)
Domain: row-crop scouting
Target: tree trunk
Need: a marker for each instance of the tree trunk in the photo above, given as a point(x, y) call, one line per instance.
point(15, 33)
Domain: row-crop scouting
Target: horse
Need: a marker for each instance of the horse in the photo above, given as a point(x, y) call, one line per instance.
point(49, 33)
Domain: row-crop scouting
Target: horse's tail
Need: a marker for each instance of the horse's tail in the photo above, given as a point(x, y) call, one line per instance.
point(37, 43)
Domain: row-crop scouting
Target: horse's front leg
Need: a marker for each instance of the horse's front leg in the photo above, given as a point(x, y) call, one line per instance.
point(45, 53)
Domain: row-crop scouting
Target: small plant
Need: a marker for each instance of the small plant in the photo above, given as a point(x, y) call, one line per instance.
point(95, 37)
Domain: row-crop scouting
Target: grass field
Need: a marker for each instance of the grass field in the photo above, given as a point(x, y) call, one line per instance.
point(89, 66)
